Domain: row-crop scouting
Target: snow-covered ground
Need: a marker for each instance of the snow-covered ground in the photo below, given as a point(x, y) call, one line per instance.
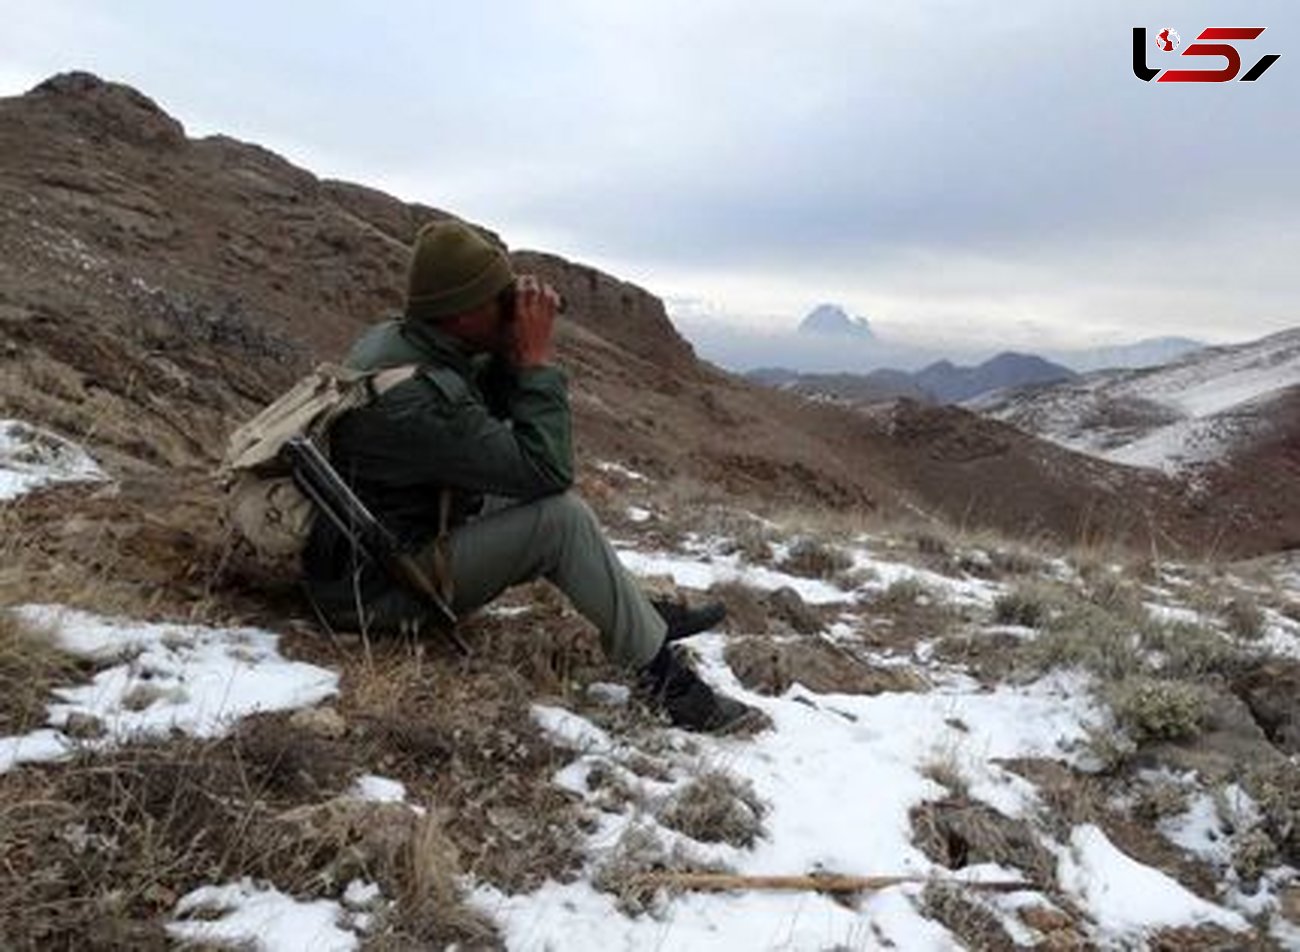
point(839, 775)
point(836, 779)
point(31, 457)
point(1170, 418)
point(158, 678)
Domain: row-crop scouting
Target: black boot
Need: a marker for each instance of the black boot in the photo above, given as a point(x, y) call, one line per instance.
point(690, 703)
point(684, 621)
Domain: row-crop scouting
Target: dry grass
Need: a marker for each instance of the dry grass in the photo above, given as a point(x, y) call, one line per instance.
point(771, 667)
point(98, 851)
point(957, 833)
point(30, 665)
point(640, 850)
point(965, 917)
point(943, 766)
point(908, 612)
point(1029, 605)
point(716, 807)
point(813, 558)
point(461, 735)
point(1159, 798)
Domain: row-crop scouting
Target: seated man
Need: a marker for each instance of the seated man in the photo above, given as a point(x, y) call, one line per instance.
point(487, 415)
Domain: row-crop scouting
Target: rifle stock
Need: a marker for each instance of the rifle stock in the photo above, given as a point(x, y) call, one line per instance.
point(337, 502)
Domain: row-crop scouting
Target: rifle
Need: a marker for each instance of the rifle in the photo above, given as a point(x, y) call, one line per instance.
point(319, 481)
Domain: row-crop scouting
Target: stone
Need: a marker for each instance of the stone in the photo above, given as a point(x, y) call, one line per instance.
point(787, 605)
point(81, 726)
point(323, 722)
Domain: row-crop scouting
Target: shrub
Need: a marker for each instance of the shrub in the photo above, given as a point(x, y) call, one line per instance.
point(812, 558)
point(1162, 797)
point(1244, 618)
point(1021, 606)
point(1152, 709)
point(1087, 636)
point(903, 593)
point(1188, 650)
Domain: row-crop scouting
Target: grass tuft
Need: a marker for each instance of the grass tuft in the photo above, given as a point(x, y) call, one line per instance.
point(30, 666)
point(716, 807)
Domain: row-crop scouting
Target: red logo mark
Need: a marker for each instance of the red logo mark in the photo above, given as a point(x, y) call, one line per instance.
point(1168, 40)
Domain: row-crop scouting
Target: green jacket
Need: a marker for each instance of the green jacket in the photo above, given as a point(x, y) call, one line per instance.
point(467, 423)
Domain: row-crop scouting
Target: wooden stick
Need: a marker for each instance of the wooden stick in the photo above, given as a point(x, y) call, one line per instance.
point(816, 882)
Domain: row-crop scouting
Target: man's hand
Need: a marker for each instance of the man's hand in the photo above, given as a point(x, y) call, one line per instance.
point(533, 323)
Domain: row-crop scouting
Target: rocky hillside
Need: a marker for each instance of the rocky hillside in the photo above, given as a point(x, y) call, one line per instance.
point(1223, 419)
point(155, 289)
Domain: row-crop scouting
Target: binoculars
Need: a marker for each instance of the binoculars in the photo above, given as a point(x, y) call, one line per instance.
point(507, 298)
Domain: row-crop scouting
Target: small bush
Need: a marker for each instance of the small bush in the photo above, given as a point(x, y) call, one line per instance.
point(1015, 562)
point(1276, 791)
point(1021, 606)
point(1152, 709)
point(1187, 650)
point(1244, 618)
point(1087, 636)
point(1114, 593)
point(928, 542)
point(1253, 854)
point(903, 594)
point(1161, 798)
point(812, 558)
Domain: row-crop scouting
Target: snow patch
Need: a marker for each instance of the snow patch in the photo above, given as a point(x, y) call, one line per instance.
point(167, 677)
point(263, 918)
point(691, 572)
point(618, 469)
point(31, 457)
point(377, 789)
point(1126, 898)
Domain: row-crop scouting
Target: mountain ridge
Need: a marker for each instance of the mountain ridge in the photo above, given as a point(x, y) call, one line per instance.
point(939, 382)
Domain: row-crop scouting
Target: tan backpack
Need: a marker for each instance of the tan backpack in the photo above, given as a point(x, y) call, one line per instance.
point(263, 503)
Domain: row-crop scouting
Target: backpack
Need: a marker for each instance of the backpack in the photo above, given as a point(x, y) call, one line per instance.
point(263, 503)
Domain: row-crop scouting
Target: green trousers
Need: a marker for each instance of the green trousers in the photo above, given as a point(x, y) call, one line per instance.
point(557, 538)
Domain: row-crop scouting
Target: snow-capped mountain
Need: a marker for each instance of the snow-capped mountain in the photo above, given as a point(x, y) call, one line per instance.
point(1175, 417)
point(831, 319)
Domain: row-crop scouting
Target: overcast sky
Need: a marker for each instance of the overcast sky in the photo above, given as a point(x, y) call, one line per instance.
point(955, 171)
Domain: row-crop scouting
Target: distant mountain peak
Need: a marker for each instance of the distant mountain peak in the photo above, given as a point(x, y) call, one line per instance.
point(831, 319)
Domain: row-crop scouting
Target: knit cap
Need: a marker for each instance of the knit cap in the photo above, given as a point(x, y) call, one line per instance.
point(454, 269)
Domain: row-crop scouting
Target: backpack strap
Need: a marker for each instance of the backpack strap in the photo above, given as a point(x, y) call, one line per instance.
point(387, 379)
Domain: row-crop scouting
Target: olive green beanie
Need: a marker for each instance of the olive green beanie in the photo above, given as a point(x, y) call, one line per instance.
point(454, 269)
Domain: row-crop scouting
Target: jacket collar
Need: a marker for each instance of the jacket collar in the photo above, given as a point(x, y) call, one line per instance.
point(442, 348)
